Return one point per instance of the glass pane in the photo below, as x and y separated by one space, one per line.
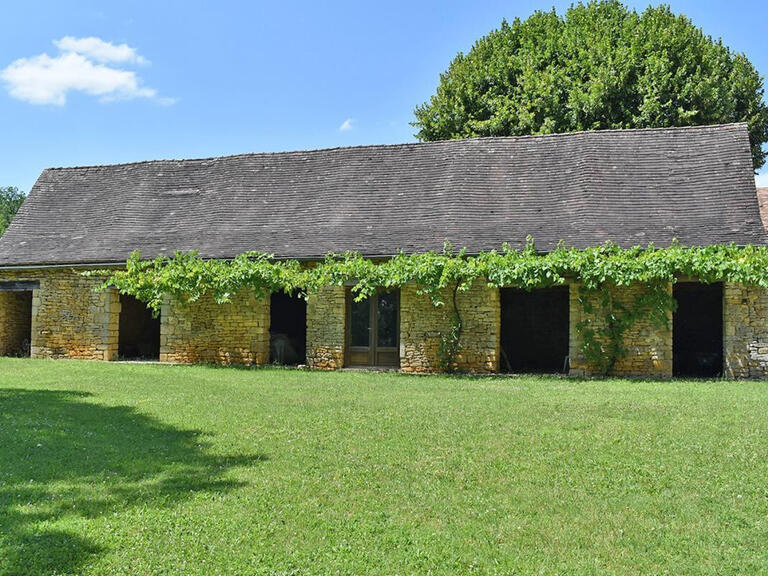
387 319
360 323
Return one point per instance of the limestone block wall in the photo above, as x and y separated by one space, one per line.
326 317
15 320
206 332
745 323
650 347
422 326
70 319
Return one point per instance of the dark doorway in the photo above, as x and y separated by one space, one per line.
534 329
287 329
373 330
16 328
697 330
139 336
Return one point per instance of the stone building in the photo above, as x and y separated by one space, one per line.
632 187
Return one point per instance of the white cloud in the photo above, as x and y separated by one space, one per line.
82 66
347 125
98 50
762 180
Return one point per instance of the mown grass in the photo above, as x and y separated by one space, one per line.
151 469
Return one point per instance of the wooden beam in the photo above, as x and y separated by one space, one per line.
19 286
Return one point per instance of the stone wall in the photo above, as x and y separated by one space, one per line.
206 332
422 326
649 346
326 329
70 319
745 326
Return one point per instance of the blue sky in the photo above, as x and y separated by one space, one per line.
177 79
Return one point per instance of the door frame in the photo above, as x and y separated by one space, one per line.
373 350
679 364
510 330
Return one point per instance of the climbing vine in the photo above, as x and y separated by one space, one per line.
608 319
450 341
598 271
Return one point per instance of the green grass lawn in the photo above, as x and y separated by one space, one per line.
151 469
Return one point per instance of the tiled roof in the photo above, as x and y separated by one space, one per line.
633 187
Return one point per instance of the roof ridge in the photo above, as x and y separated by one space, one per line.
406 145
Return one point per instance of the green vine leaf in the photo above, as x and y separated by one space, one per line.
597 271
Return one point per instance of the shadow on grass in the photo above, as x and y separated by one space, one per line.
64 459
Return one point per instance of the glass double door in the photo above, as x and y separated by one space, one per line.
373 329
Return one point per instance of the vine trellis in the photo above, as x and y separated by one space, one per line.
598 271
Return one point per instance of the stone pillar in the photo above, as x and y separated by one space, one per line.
326 323
649 347
577 366
422 326
111 325
745 327
168 330
235 332
71 319
33 342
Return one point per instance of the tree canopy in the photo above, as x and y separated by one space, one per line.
599 66
10 202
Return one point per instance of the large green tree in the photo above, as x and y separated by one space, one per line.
10 202
599 66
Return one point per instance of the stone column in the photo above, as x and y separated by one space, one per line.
71 319
745 327
326 324
235 332
422 326
111 328
649 346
